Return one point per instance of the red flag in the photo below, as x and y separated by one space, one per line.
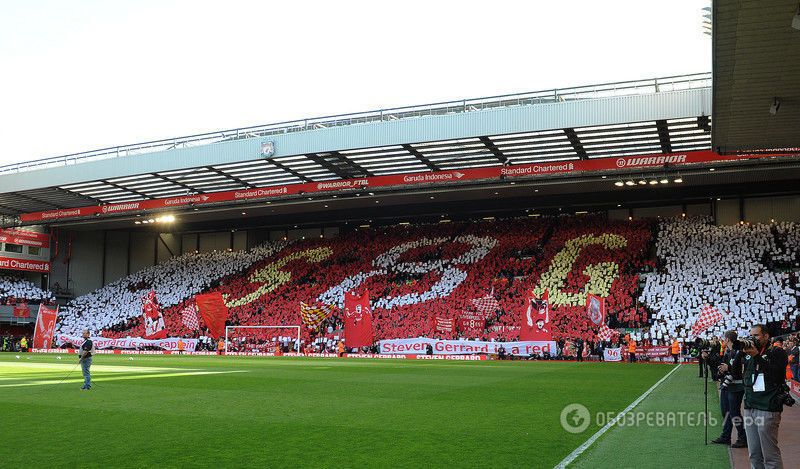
535 318
596 309
154 327
357 320
21 310
214 311
709 316
444 325
45 327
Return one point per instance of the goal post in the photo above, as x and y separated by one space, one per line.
291 331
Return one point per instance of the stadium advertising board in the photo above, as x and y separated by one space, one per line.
25 238
11 263
396 180
458 347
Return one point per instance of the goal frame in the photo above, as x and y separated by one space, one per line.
259 327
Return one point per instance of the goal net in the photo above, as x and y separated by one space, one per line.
261 339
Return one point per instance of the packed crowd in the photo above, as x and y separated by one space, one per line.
725 267
14 289
120 303
416 273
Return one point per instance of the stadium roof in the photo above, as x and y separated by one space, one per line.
644 117
756 59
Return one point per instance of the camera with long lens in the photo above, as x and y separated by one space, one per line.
784 397
702 344
748 342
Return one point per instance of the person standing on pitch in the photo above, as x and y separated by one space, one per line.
85 353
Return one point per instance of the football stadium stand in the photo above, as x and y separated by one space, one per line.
415 273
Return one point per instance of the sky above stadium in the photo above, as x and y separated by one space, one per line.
82 75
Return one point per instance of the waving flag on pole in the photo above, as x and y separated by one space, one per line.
189 316
606 333
709 316
154 327
313 315
45 327
486 305
596 309
357 320
214 311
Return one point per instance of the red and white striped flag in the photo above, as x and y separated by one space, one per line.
709 316
486 305
189 317
606 333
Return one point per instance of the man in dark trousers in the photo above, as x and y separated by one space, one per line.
731 393
85 353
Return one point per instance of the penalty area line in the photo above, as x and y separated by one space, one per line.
580 449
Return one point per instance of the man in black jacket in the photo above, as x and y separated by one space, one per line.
764 382
731 393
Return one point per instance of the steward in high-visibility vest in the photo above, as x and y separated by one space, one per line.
676 350
631 350
220 346
23 344
180 346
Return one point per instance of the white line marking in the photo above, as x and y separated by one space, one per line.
580 449
79 379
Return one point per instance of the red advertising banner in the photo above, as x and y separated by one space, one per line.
21 310
45 327
11 263
357 320
25 238
214 311
435 177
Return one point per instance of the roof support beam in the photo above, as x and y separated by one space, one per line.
33 199
576 143
493 148
663 136
419 156
287 169
351 164
177 183
336 163
140 194
228 176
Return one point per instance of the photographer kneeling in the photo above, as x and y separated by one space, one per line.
731 392
764 397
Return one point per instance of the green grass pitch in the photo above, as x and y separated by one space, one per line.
193 411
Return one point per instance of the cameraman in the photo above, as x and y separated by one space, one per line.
710 355
731 392
764 397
